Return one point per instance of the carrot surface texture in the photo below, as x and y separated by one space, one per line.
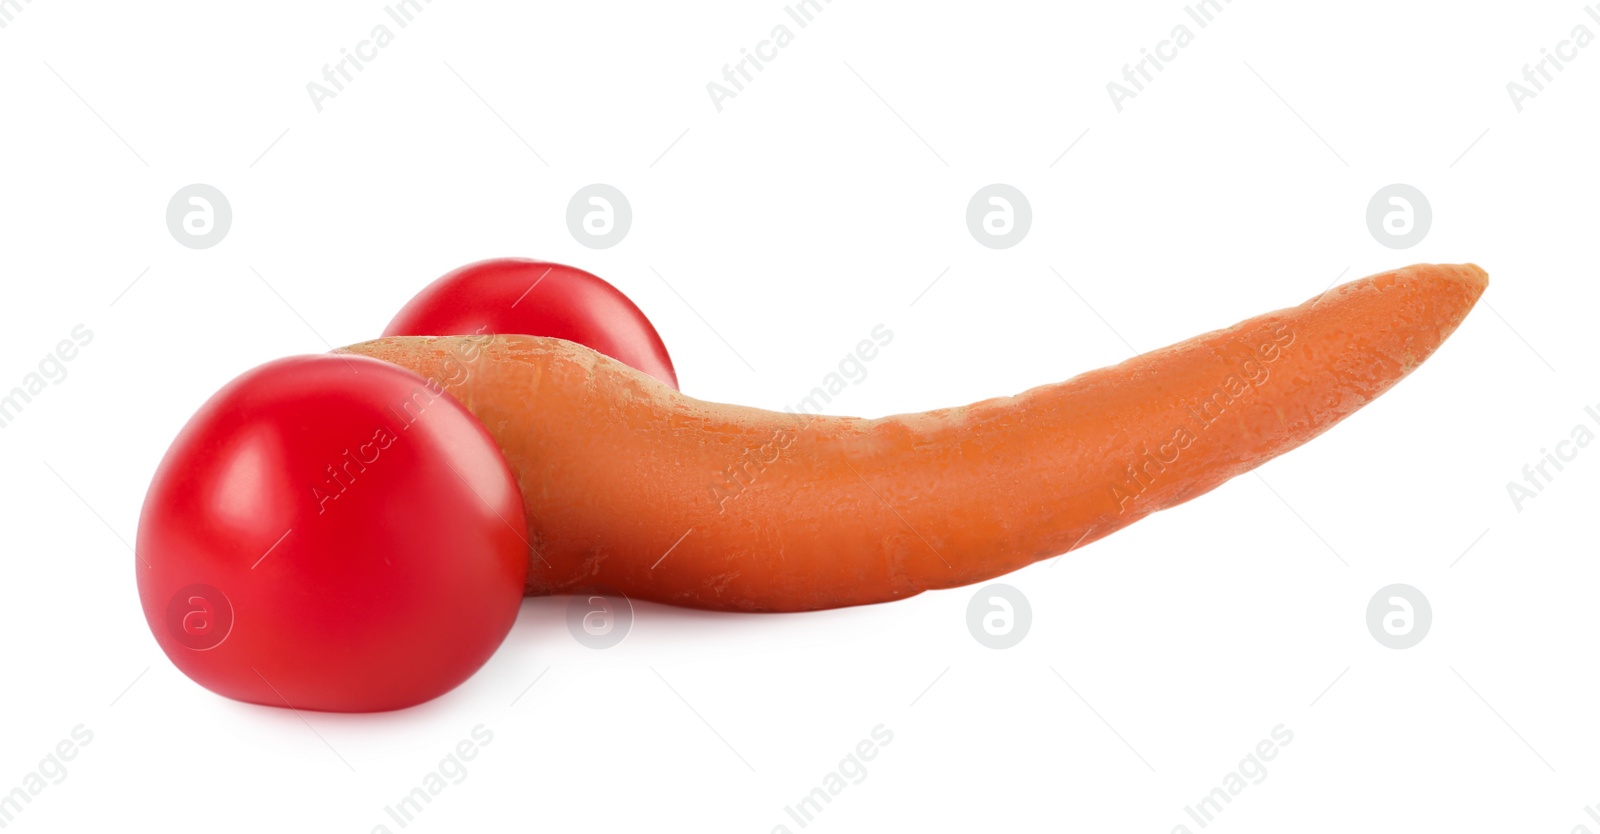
633 487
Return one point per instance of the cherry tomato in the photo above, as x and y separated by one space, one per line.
537 298
332 533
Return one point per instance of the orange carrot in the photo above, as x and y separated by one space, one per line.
634 487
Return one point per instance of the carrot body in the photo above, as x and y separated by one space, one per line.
634 487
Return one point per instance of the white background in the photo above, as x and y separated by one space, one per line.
821 201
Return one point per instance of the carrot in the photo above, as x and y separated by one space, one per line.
634 487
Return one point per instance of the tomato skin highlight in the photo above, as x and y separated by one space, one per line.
332 533
537 298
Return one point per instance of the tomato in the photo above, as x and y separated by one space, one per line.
537 298
332 533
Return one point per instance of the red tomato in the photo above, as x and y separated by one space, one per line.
332 533
537 298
